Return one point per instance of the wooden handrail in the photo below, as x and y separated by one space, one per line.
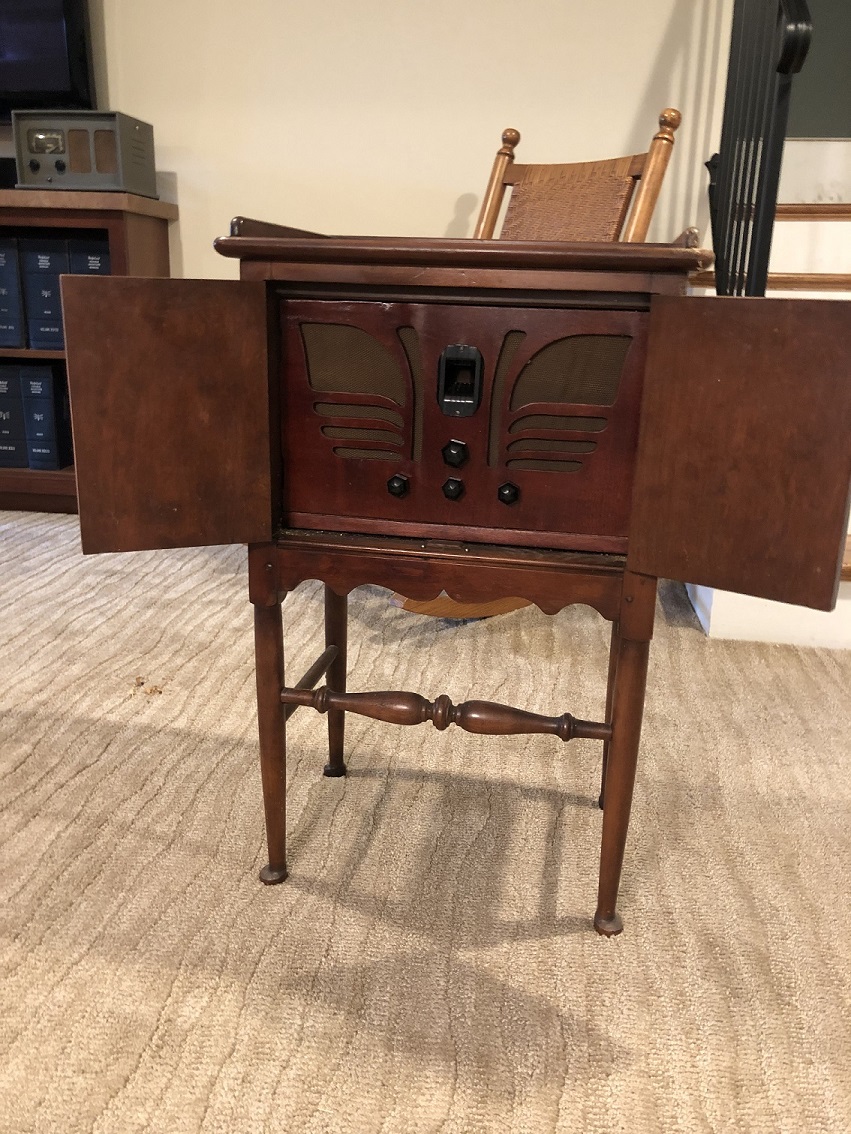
788 281
814 211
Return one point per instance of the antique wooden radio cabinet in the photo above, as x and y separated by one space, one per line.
450 415
547 421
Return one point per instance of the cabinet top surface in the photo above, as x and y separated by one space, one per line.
86 201
436 252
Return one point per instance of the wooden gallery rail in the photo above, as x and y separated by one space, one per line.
490 419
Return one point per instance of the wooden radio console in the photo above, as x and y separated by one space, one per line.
553 422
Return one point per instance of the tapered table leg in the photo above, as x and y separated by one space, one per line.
336 632
269 663
614 649
627 711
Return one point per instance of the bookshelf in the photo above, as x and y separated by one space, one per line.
136 229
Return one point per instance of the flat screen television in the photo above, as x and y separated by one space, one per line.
45 56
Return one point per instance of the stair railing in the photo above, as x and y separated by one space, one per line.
768 46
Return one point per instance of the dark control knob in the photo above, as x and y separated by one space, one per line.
455 453
398 485
60 165
453 489
508 493
35 164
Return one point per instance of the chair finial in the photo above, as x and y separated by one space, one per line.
510 138
669 121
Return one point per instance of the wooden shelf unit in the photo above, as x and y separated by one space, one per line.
137 231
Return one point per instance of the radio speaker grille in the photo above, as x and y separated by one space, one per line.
79 151
106 151
584 369
363 372
347 359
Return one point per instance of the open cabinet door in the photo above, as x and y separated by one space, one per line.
744 457
169 384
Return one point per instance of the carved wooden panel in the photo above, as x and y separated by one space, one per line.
744 466
558 419
169 384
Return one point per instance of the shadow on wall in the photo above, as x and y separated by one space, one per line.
166 179
97 31
167 189
690 73
465 209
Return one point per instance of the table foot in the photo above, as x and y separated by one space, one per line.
608 926
272 875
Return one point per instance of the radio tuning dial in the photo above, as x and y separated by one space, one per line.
453 489
398 485
455 454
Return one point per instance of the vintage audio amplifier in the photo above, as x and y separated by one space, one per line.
84 149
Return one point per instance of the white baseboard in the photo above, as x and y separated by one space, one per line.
726 615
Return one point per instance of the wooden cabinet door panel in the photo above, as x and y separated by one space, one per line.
169 383
744 457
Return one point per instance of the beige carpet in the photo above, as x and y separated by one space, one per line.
430 966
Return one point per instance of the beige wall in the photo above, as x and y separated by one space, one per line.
382 116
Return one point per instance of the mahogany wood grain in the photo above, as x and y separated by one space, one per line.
479 286
336 637
443 607
469 573
212 348
627 711
744 470
446 551
485 718
749 442
592 501
485 287
269 669
566 541
312 675
611 682
550 578
380 252
170 399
